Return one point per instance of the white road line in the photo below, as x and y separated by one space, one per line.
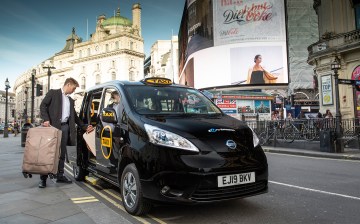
318 158
314 190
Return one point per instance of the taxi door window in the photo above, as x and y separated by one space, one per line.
93 108
112 98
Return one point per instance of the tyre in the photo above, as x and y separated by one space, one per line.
131 192
79 173
262 138
289 134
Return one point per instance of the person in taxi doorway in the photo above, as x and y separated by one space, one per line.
57 110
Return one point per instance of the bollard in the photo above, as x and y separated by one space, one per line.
24 131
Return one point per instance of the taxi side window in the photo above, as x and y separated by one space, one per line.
112 98
93 107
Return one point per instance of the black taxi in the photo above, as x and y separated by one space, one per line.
161 142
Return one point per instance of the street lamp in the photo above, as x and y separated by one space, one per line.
49 74
32 94
335 66
7 87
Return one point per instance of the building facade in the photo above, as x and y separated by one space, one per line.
11 106
339 39
114 51
163 60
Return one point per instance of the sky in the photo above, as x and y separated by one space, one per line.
32 31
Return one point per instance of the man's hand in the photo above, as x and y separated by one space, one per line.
89 128
46 124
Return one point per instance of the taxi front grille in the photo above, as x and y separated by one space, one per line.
216 194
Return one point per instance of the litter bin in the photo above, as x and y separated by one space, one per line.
24 131
327 139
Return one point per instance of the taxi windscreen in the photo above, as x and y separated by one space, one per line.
169 100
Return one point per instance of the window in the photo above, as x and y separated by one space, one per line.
107 48
83 82
131 76
80 54
131 45
88 52
98 79
93 108
113 76
357 16
117 45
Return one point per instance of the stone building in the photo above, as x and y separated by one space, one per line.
163 60
11 105
114 51
339 39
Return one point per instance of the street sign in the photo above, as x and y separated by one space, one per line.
346 81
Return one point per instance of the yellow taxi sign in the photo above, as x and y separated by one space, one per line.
158 81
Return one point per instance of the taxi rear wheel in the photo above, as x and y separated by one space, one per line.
131 192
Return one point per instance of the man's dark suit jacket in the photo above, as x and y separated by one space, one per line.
51 110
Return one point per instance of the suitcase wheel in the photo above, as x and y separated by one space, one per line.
30 175
25 175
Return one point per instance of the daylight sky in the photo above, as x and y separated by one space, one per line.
33 30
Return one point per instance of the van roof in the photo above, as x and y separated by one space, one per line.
126 83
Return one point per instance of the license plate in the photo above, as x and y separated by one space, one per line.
236 179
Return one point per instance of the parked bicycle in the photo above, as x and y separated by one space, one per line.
305 130
276 130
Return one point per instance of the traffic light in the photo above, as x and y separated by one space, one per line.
13 113
39 90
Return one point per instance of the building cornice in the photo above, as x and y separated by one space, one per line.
108 54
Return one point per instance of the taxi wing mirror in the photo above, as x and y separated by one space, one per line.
108 115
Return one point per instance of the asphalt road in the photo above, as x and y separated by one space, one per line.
301 190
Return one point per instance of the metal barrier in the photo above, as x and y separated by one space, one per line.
309 128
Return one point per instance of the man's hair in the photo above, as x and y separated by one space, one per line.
72 81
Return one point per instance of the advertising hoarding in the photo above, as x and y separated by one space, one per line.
326 90
240 42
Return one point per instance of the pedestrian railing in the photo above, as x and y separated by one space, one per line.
304 129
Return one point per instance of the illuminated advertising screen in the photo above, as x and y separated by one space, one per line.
230 42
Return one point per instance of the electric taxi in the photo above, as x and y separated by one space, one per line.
166 143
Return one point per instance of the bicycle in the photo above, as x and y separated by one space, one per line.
305 130
273 129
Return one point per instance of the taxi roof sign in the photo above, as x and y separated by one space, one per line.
157 81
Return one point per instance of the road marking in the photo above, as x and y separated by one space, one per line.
84 200
314 190
319 158
115 203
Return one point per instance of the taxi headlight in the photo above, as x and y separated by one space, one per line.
161 137
256 140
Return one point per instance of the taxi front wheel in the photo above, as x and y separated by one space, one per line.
131 192
79 173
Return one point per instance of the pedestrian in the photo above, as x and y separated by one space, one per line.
328 114
16 128
57 109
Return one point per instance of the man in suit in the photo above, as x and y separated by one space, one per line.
57 109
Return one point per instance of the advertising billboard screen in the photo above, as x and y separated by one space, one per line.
234 42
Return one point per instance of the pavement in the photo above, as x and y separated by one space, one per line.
21 201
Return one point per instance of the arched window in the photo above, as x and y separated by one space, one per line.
97 79
83 82
113 76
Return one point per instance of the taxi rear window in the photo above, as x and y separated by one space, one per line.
169 100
